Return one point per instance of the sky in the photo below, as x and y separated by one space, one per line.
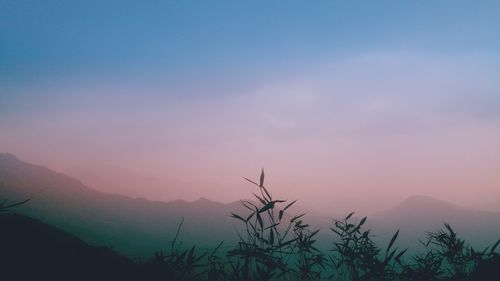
345 104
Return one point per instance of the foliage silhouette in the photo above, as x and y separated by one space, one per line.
358 257
273 245
6 206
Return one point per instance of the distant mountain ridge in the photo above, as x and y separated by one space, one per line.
120 180
419 214
138 227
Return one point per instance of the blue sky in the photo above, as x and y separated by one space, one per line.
214 90
92 38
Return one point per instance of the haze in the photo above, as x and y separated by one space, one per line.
345 106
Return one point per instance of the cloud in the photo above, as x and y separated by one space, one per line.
402 123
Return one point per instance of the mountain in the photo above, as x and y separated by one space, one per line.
32 250
417 215
120 180
135 227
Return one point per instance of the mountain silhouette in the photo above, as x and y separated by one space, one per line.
120 180
32 250
138 227
419 214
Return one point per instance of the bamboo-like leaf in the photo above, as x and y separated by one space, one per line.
272 226
398 257
297 217
349 216
5 207
261 178
217 248
261 200
334 230
251 181
289 205
238 217
393 239
448 226
363 220
249 205
267 193
313 233
268 206
389 257
250 216
495 246
288 242
280 214
259 219
191 252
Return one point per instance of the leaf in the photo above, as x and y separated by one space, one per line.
288 242
191 252
272 226
271 236
267 193
251 181
238 217
448 226
349 216
5 207
259 219
398 257
217 248
280 215
250 216
389 257
268 206
297 217
261 200
248 205
289 205
262 178
333 229
313 233
393 239
494 246
363 220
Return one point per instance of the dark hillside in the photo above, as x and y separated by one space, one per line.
32 250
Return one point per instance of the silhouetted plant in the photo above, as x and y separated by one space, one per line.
179 264
215 265
6 206
310 260
448 257
451 257
272 243
457 257
425 267
357 257
275 245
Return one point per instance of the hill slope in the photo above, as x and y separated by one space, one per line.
119 180
136 227
32 250
419 214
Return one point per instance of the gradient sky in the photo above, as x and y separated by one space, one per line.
355 103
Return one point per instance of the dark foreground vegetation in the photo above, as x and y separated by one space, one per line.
272 246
